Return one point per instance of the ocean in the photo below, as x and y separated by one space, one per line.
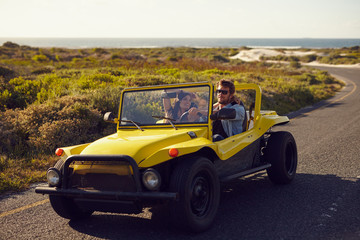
184 42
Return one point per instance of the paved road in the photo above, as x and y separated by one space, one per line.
323 202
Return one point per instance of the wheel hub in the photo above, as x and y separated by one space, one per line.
200 196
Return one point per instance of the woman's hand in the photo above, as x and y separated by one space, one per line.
193 114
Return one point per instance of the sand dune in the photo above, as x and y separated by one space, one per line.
255 54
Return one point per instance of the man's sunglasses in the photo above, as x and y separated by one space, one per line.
225 92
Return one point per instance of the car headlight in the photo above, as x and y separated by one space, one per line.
151 179
53 177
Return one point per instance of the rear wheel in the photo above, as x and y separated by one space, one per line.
281 152
198 186
66 208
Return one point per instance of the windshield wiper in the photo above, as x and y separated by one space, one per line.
135 123
170 120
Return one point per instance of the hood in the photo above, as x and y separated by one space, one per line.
140 144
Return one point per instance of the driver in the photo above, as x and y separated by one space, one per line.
182 105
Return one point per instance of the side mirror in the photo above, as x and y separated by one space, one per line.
224 114
110 117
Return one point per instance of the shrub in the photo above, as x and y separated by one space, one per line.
13 135
3 163
6 72
23 91
43 127
309 78
11 45
99 51
52 86
173 59
216 71
106 99
169 71
309 58
5 99
86 83
102 78
63 132
40 58
295 64
42 71
219 58
150 80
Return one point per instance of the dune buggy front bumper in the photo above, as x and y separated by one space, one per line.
136 193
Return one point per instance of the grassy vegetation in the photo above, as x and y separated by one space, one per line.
340 56
56 97
345 55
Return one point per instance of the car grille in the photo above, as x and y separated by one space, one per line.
103 176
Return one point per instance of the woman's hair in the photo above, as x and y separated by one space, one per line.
176 109
181 95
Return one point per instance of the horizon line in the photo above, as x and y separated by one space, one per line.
194 37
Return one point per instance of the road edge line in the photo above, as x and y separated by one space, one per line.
20 209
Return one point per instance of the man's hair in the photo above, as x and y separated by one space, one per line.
227 83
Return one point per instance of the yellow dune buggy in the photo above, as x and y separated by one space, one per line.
154 159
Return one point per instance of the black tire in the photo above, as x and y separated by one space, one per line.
281 152
197 183
66 208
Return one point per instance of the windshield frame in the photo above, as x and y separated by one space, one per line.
167 87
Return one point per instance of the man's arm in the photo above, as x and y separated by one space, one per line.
240 112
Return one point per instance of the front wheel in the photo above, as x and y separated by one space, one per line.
197 183
66 208
281 152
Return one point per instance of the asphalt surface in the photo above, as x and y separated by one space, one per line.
323 202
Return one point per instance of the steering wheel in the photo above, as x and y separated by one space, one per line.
184 117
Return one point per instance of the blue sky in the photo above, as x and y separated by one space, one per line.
181 18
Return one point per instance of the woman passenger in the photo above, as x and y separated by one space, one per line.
182 105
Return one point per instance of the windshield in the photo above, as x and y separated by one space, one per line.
165 106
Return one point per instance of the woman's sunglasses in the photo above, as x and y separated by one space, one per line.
224 92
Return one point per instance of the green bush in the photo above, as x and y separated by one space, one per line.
216 71
23 91
5 99
42 71
308 58
106 99
295 64
4 163
310 78
175 72
40 58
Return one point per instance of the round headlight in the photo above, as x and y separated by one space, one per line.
53 177
151 179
